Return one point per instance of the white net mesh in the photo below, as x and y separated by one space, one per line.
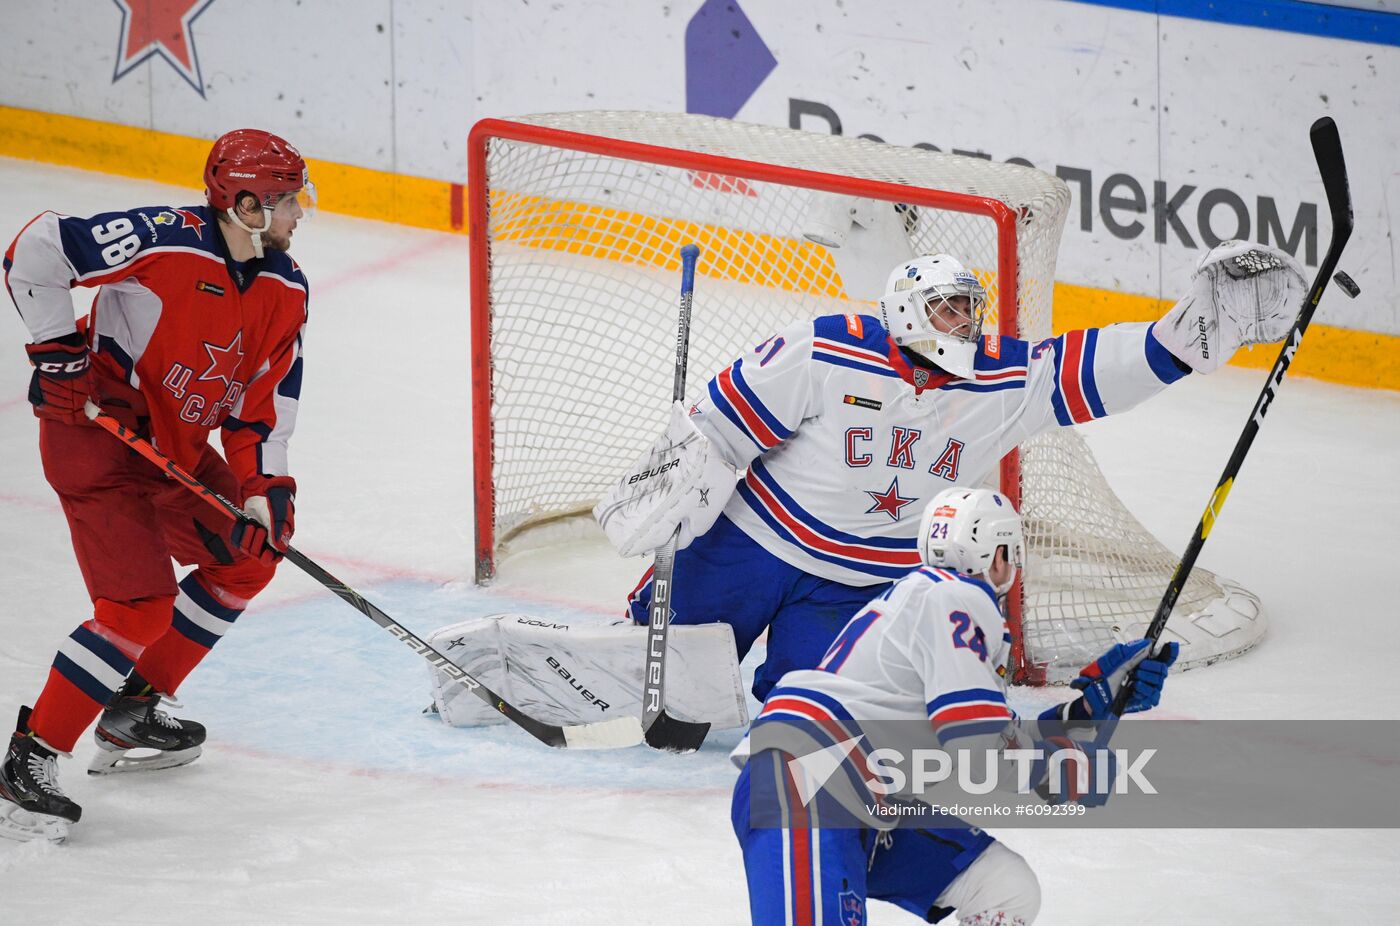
582 247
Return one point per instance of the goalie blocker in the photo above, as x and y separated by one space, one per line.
682 482
585 672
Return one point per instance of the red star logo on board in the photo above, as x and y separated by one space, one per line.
224 361
189 220
889 501
160 27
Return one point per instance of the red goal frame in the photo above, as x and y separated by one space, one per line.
478 145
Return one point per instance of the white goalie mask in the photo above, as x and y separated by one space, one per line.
962 529
920 312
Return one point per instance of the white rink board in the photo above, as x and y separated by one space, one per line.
1096 91
325 797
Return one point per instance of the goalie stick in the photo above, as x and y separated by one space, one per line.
1327 148
662 730
611 734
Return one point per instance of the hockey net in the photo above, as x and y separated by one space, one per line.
577 220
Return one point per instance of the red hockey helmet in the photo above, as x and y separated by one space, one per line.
257 162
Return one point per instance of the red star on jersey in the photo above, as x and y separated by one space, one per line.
189 220
224 361
160 27
889 501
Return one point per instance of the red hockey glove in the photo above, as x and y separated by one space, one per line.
271 502
62 378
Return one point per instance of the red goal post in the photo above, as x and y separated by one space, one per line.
576 220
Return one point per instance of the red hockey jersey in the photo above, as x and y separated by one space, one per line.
207 342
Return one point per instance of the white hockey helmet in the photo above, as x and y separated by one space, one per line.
962 529
918 312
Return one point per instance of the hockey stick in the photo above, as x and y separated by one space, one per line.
662 730
611 734
1327 148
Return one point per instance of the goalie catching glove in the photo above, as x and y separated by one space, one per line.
1241 293
682 481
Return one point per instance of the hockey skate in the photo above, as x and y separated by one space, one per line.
134 734
31 804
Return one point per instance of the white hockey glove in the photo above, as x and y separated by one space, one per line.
681 481
1241 293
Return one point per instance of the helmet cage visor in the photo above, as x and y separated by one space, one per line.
960 320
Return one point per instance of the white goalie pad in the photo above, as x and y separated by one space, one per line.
1226 627
583 673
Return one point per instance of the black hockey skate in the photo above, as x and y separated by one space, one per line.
134 734
31 804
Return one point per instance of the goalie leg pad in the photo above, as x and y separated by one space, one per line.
586 672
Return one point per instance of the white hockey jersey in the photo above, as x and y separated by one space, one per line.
932 649
843 440
934 645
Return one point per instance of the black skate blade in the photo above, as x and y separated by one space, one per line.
118 762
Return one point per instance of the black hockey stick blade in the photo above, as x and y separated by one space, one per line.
673 735
1327 148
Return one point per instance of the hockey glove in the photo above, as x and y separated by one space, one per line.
682 481
271 502
62 378
1100 680
1241 293
1074 776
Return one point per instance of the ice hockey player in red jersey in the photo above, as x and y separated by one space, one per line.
197 326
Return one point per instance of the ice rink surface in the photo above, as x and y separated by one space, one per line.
325 796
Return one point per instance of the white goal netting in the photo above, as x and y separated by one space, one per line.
575 280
